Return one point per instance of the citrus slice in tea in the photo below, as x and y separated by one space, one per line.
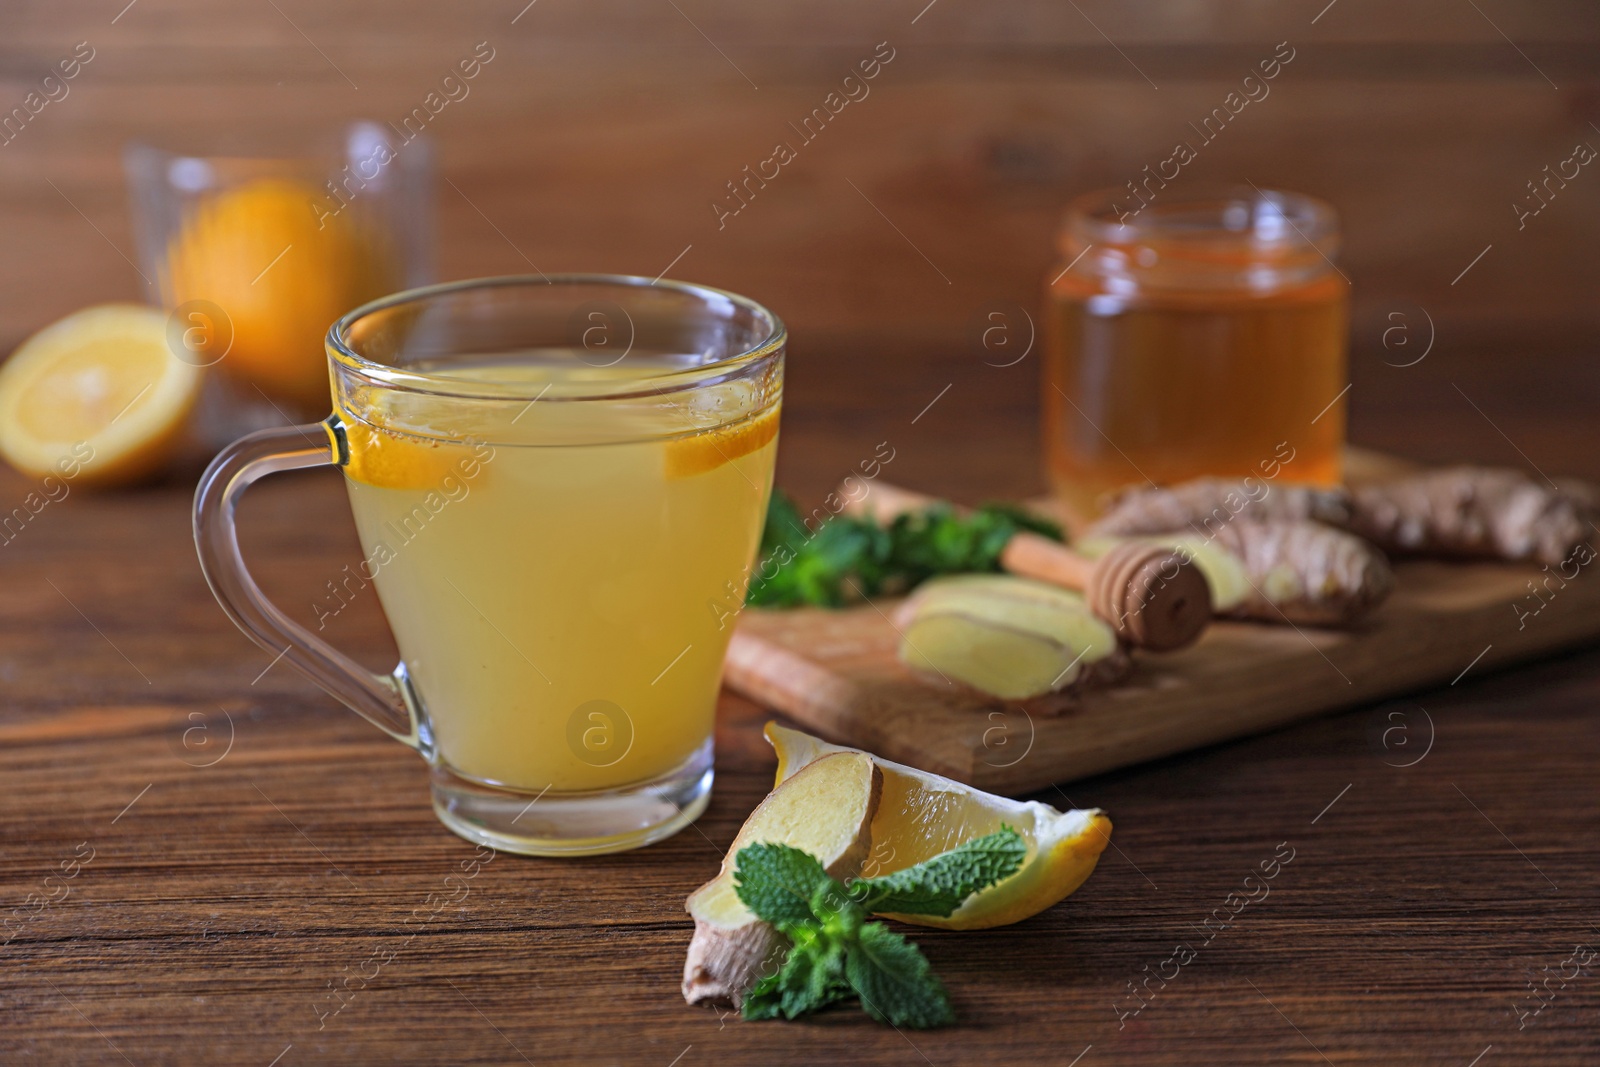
921 815
99 397
388 459
710 449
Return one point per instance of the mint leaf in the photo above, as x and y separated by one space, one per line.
838 913
894 981
777 881
810 979
940 885
824 978
834 951
847 557
765 1001
784 526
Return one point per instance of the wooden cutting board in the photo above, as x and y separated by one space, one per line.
836 673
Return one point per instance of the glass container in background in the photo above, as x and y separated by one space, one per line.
1200 337
257 256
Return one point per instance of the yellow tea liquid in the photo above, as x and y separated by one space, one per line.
555 573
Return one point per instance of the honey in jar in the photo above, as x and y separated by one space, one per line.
1189 338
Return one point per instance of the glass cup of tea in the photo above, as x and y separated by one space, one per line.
558 484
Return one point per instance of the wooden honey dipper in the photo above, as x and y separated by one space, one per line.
1151 595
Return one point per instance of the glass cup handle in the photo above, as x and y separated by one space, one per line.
380 699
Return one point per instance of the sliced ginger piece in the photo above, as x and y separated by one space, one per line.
1009 637
997 659
825 809
923 814
98 397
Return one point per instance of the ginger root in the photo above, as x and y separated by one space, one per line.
1305 572
825 809
1477 513
1281 569
1204 505
1453 512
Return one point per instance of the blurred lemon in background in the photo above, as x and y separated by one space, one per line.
99 397
281 275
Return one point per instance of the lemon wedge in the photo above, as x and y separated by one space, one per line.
921 815
98 397
706 451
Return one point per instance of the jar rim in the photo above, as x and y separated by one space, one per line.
1243 215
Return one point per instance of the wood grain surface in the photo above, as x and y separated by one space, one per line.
202 857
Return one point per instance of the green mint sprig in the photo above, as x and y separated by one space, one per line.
836 953
848 557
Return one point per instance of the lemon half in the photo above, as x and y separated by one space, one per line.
98 397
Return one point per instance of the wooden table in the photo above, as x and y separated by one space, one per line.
253 857
210 857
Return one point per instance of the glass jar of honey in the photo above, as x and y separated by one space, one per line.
1200 337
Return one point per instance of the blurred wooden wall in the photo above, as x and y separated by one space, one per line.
602 132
